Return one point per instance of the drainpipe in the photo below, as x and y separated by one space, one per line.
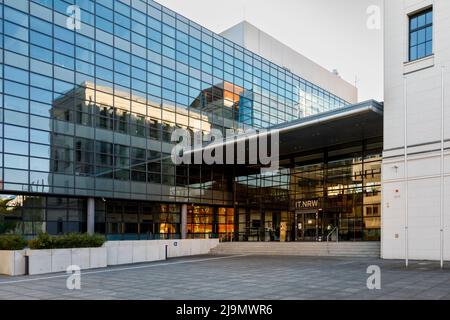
406 172
442 167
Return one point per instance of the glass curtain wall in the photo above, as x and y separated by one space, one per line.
313 194
29 215
90 111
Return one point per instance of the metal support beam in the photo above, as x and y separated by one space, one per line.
184 209
91 216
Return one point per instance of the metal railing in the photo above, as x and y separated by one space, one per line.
335 229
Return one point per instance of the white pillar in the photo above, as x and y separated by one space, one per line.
184 208
91 216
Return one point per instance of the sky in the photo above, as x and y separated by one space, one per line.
333 33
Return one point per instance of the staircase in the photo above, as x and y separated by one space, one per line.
330 249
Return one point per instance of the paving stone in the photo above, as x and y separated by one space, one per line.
250 277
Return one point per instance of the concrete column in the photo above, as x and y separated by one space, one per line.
184 209
91 216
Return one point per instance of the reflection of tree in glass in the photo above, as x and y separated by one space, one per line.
9 217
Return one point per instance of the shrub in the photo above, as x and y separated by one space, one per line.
78 240
42 241
12 242
71 240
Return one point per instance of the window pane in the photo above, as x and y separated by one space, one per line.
41 54
16 118
421 21
429 18
16 89
16 31
421 36
16 176
17 162
16 132
413 39
429 33
414 23
413 53
16 103
429 48
421 50
16 74
16 45
41 40
16 16
41 26
12 146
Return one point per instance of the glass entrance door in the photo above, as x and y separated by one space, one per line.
330 221
315 226
307 226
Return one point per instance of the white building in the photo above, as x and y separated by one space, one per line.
251 38
416 187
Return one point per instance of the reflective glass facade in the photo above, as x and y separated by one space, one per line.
312 194
89 113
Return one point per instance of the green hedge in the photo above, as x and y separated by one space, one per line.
72 240
46 241
12 242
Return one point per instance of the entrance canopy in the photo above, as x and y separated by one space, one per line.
354 123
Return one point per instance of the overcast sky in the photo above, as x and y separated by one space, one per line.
333 33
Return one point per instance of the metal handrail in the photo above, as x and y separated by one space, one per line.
331 233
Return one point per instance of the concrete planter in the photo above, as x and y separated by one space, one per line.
12 263
40 261
98 258
60 259
81 258
189 247
112 253
57 260
129 252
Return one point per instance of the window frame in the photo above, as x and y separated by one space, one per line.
422 12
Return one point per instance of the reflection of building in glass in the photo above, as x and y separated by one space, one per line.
226 102
88 118
116 119
99 157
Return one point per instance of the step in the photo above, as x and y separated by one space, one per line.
355 249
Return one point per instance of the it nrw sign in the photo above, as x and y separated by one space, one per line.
307 204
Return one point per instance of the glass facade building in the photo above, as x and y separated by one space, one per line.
88 112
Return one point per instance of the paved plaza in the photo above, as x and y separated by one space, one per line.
241 277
